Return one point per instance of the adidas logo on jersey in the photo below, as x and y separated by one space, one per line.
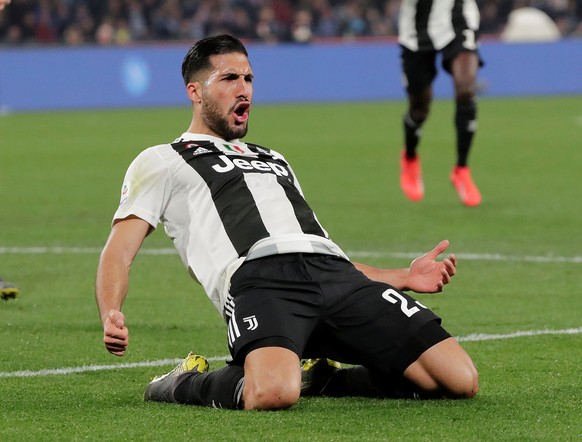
200 151
261 166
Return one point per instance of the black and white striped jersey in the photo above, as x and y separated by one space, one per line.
425 25
221 203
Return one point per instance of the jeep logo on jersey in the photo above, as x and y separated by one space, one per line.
241 163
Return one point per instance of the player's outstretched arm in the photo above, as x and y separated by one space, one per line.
112 280
425 274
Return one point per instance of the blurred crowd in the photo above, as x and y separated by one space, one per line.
107 22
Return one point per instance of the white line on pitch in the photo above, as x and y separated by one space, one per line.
486 337
354 254
162 362
88 368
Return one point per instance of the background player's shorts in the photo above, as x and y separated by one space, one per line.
322 306
420 68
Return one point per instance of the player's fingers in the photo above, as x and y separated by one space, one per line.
117 318
116 334
115 345
446 277
117 351
440 248
449 266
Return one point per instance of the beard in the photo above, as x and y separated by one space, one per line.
219 124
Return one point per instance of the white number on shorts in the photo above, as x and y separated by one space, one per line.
469 42
392 296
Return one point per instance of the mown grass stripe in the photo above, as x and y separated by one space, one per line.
353 254
163 362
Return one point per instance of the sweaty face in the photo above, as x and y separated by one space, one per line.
226 96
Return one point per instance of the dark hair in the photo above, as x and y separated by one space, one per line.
198 57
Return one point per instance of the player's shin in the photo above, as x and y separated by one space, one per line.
359 381
220 388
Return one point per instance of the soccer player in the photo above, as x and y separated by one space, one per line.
7 290
239 220
426 28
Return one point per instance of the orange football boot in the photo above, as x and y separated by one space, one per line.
411 177
466 188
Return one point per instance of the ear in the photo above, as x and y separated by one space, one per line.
194 91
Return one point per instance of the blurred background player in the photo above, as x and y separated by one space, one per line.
426 28
7 289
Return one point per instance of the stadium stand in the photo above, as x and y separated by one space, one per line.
118 22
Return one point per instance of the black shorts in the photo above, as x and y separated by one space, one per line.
322 306
419 68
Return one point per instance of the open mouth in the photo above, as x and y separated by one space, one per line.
241 111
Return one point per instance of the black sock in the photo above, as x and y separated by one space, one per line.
220 388
466 125
359 381
412 132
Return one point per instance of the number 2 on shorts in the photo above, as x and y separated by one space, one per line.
393 297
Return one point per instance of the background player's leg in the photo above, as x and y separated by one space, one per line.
417 113
464 70
410 170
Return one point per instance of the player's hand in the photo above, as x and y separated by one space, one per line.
427 275
115 333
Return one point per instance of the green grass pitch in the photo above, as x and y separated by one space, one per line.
520 259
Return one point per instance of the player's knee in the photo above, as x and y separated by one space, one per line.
419 114
465 383
465 93
278 397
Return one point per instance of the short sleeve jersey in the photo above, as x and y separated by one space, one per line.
428 25
221 203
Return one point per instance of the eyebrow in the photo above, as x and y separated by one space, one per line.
236 74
